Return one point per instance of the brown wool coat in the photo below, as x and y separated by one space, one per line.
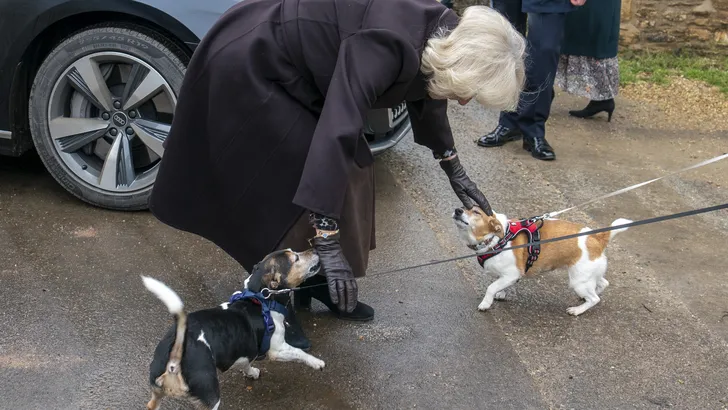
268 120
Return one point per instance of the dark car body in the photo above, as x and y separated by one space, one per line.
30 29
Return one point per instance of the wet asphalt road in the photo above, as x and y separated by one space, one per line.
84 328
78 328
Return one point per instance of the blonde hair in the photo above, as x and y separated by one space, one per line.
482 58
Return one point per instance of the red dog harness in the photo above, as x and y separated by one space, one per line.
528 226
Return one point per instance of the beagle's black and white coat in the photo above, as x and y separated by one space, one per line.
186 360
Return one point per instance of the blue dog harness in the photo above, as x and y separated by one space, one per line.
266 305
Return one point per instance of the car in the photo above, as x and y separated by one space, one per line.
92 85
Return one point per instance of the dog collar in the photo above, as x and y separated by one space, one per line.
266 305
528 226
478 247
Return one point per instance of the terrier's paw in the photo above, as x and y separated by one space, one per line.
483 306
500 295
253 373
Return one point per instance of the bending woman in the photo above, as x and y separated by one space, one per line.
266 150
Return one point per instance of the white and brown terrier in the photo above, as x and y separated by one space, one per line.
187 359
584 257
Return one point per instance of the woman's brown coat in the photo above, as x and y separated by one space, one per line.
269 118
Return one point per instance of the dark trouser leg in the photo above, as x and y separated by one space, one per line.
545 31
511 9
507 129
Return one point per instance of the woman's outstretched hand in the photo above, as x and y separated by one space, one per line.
464 187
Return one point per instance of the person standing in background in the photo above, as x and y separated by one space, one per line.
545 22
511 9
588 66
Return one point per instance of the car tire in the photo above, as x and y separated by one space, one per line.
135 45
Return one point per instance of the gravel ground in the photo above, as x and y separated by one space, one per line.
684 103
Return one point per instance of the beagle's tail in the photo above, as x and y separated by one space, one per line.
176 307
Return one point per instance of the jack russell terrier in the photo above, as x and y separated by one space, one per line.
237 332
584 257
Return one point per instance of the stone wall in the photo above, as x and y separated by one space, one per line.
690 25
699 26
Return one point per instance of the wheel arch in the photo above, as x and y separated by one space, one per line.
63 21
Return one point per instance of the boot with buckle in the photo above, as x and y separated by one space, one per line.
499 136
539 148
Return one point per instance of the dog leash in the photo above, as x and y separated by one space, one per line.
635 186
525 245
563 238
268 292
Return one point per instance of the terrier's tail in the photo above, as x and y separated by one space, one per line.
618 222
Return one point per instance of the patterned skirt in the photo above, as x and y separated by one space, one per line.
596 79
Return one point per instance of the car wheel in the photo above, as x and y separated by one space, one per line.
101 106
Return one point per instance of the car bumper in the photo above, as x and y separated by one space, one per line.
384 128
383 144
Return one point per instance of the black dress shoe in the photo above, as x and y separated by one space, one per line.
539 148
361 313
499 136
294 332
594 108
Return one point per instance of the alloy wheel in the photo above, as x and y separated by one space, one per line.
108 116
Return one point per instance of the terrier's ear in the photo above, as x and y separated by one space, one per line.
495 226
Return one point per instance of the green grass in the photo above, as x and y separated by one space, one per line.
659 67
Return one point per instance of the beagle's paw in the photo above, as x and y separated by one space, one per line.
252 373
317 364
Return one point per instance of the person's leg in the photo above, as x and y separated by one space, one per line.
356 227
507 128
596 79
296 239
545 32
511 9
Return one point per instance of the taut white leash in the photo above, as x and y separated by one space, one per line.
635 186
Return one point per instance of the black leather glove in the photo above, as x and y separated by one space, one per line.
343 289
464 187
342 285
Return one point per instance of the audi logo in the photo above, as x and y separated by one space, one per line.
119 120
